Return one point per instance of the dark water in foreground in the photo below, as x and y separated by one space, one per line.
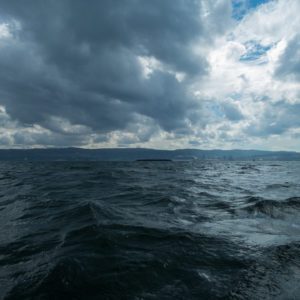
150 230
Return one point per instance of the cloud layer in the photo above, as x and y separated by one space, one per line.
164 74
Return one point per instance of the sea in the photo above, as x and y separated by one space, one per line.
150 230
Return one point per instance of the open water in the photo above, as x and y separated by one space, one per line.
150 230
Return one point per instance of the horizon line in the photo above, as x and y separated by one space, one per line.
142 148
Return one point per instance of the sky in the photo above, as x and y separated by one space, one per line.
165 74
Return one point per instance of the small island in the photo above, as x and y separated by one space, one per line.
154 159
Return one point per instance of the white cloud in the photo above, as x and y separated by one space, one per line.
4 31
243 66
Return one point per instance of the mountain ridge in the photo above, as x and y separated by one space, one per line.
131 154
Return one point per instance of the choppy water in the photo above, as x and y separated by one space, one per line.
150 230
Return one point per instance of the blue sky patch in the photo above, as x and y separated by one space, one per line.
242 7
254 51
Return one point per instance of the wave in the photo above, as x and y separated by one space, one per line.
285 185
271 208
279 279
78 230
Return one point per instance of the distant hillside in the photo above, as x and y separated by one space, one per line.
130 154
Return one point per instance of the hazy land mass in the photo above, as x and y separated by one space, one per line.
132 154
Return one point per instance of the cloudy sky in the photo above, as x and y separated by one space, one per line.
162 74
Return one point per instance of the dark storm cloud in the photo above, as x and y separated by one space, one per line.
78 61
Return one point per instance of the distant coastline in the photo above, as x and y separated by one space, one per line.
142 154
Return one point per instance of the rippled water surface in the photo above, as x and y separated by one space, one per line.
150 230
